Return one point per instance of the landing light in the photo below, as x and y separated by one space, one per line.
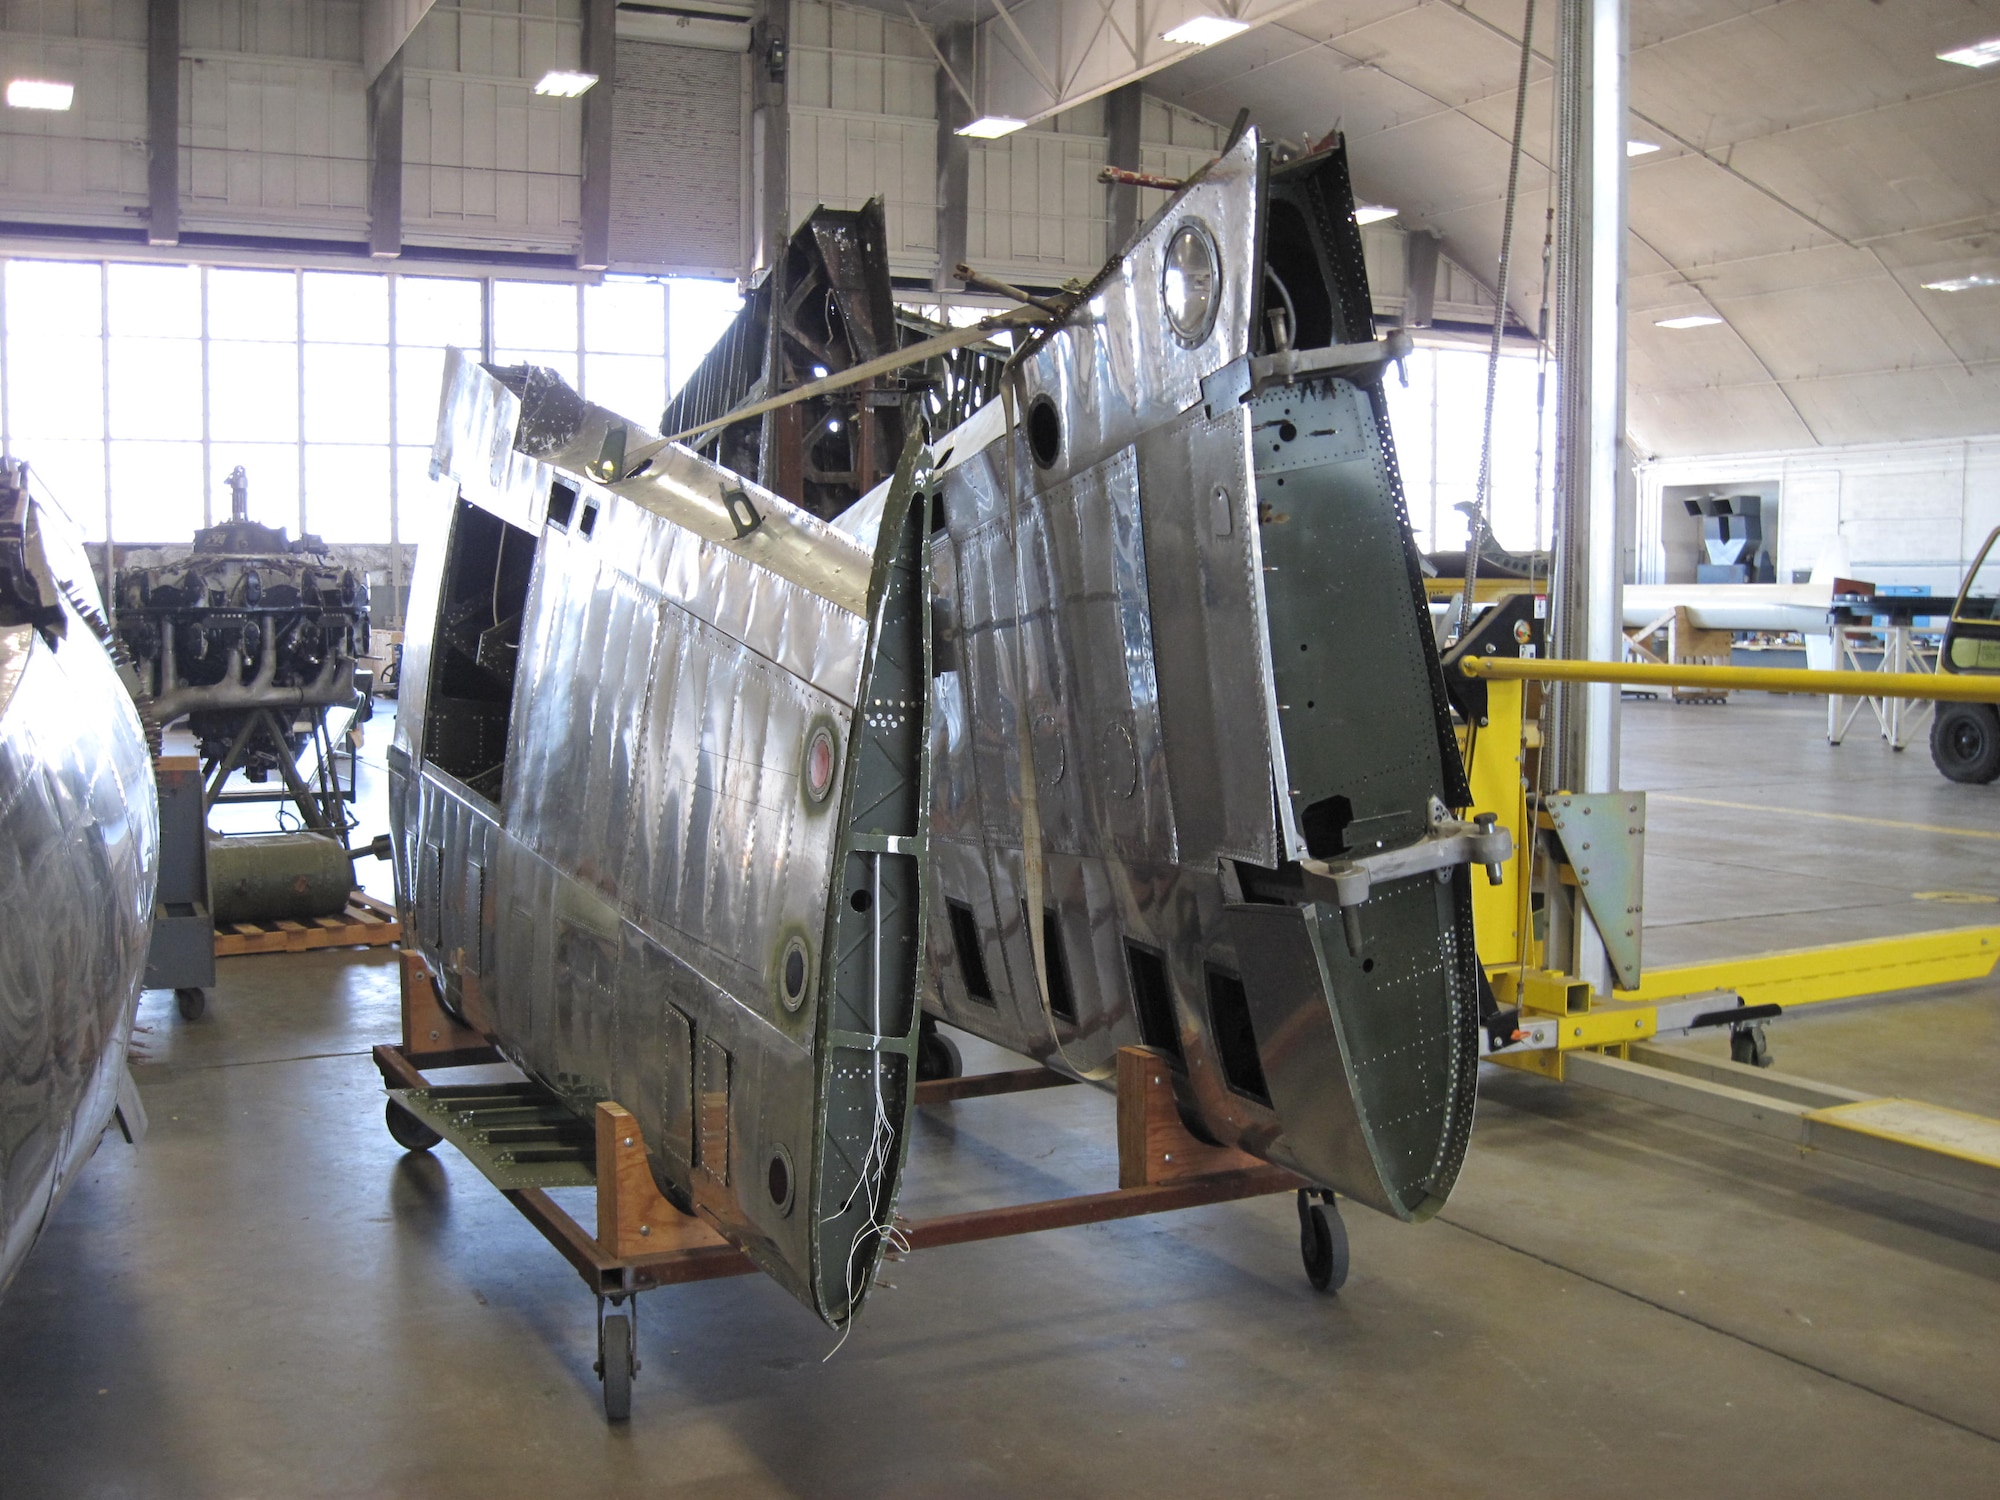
1963 283
1641 148
1691 320
1372 213
1189 276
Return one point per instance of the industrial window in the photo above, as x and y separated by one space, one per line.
1235 1040
133 390
1153 998
1446 396
971 960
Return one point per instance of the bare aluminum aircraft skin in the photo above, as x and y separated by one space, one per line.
79 836
1156 620
657 796
1189 706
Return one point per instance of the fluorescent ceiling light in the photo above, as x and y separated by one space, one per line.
1372 213
1691 320
991 127
1978 55
559 83
1204 31
39 93
1641 148
1963 283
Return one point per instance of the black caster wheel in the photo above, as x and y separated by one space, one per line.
1322 1242
411 1133
937 1055
616 1366
192 1004
1749 1045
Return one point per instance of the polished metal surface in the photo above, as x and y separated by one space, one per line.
658 794
666 820
78 848
1188 693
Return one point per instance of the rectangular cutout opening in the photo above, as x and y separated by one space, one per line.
971 958
562 504
1235 1039
488 568
1062 999
1153 999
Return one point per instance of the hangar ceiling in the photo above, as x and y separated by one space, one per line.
1817 164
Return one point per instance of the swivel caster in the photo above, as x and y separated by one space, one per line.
410 1133
1749 1045
617 1363
937 1054
1322 1240
191 1003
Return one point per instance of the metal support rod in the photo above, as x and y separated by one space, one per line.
954 152
385 168
1124 111
1590 426
163 122
1940 687
600 56
1590 353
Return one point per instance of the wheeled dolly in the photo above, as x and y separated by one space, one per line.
643 1241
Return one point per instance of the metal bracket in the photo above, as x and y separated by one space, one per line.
1603 834
1449 844
743 512
1365 359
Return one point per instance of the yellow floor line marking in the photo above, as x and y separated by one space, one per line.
1831 817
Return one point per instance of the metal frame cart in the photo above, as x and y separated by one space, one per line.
527 1141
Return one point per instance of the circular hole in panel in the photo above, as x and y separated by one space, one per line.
860 901
1287 431
1044 431
793 973
1368 966
778 1179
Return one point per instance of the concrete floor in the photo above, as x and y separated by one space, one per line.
268 1299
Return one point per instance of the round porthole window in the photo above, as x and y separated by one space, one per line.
1190 274
792 974
819 763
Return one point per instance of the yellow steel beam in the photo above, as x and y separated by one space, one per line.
1484 590
1941 687
1840 971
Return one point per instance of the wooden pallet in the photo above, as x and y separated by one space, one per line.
367 923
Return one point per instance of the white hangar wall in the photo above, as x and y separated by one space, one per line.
1910 514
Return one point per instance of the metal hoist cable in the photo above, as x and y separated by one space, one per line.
1482 496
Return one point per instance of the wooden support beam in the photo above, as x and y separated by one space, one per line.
1154 1147
430 1034
632 1217
163 122
986 1085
